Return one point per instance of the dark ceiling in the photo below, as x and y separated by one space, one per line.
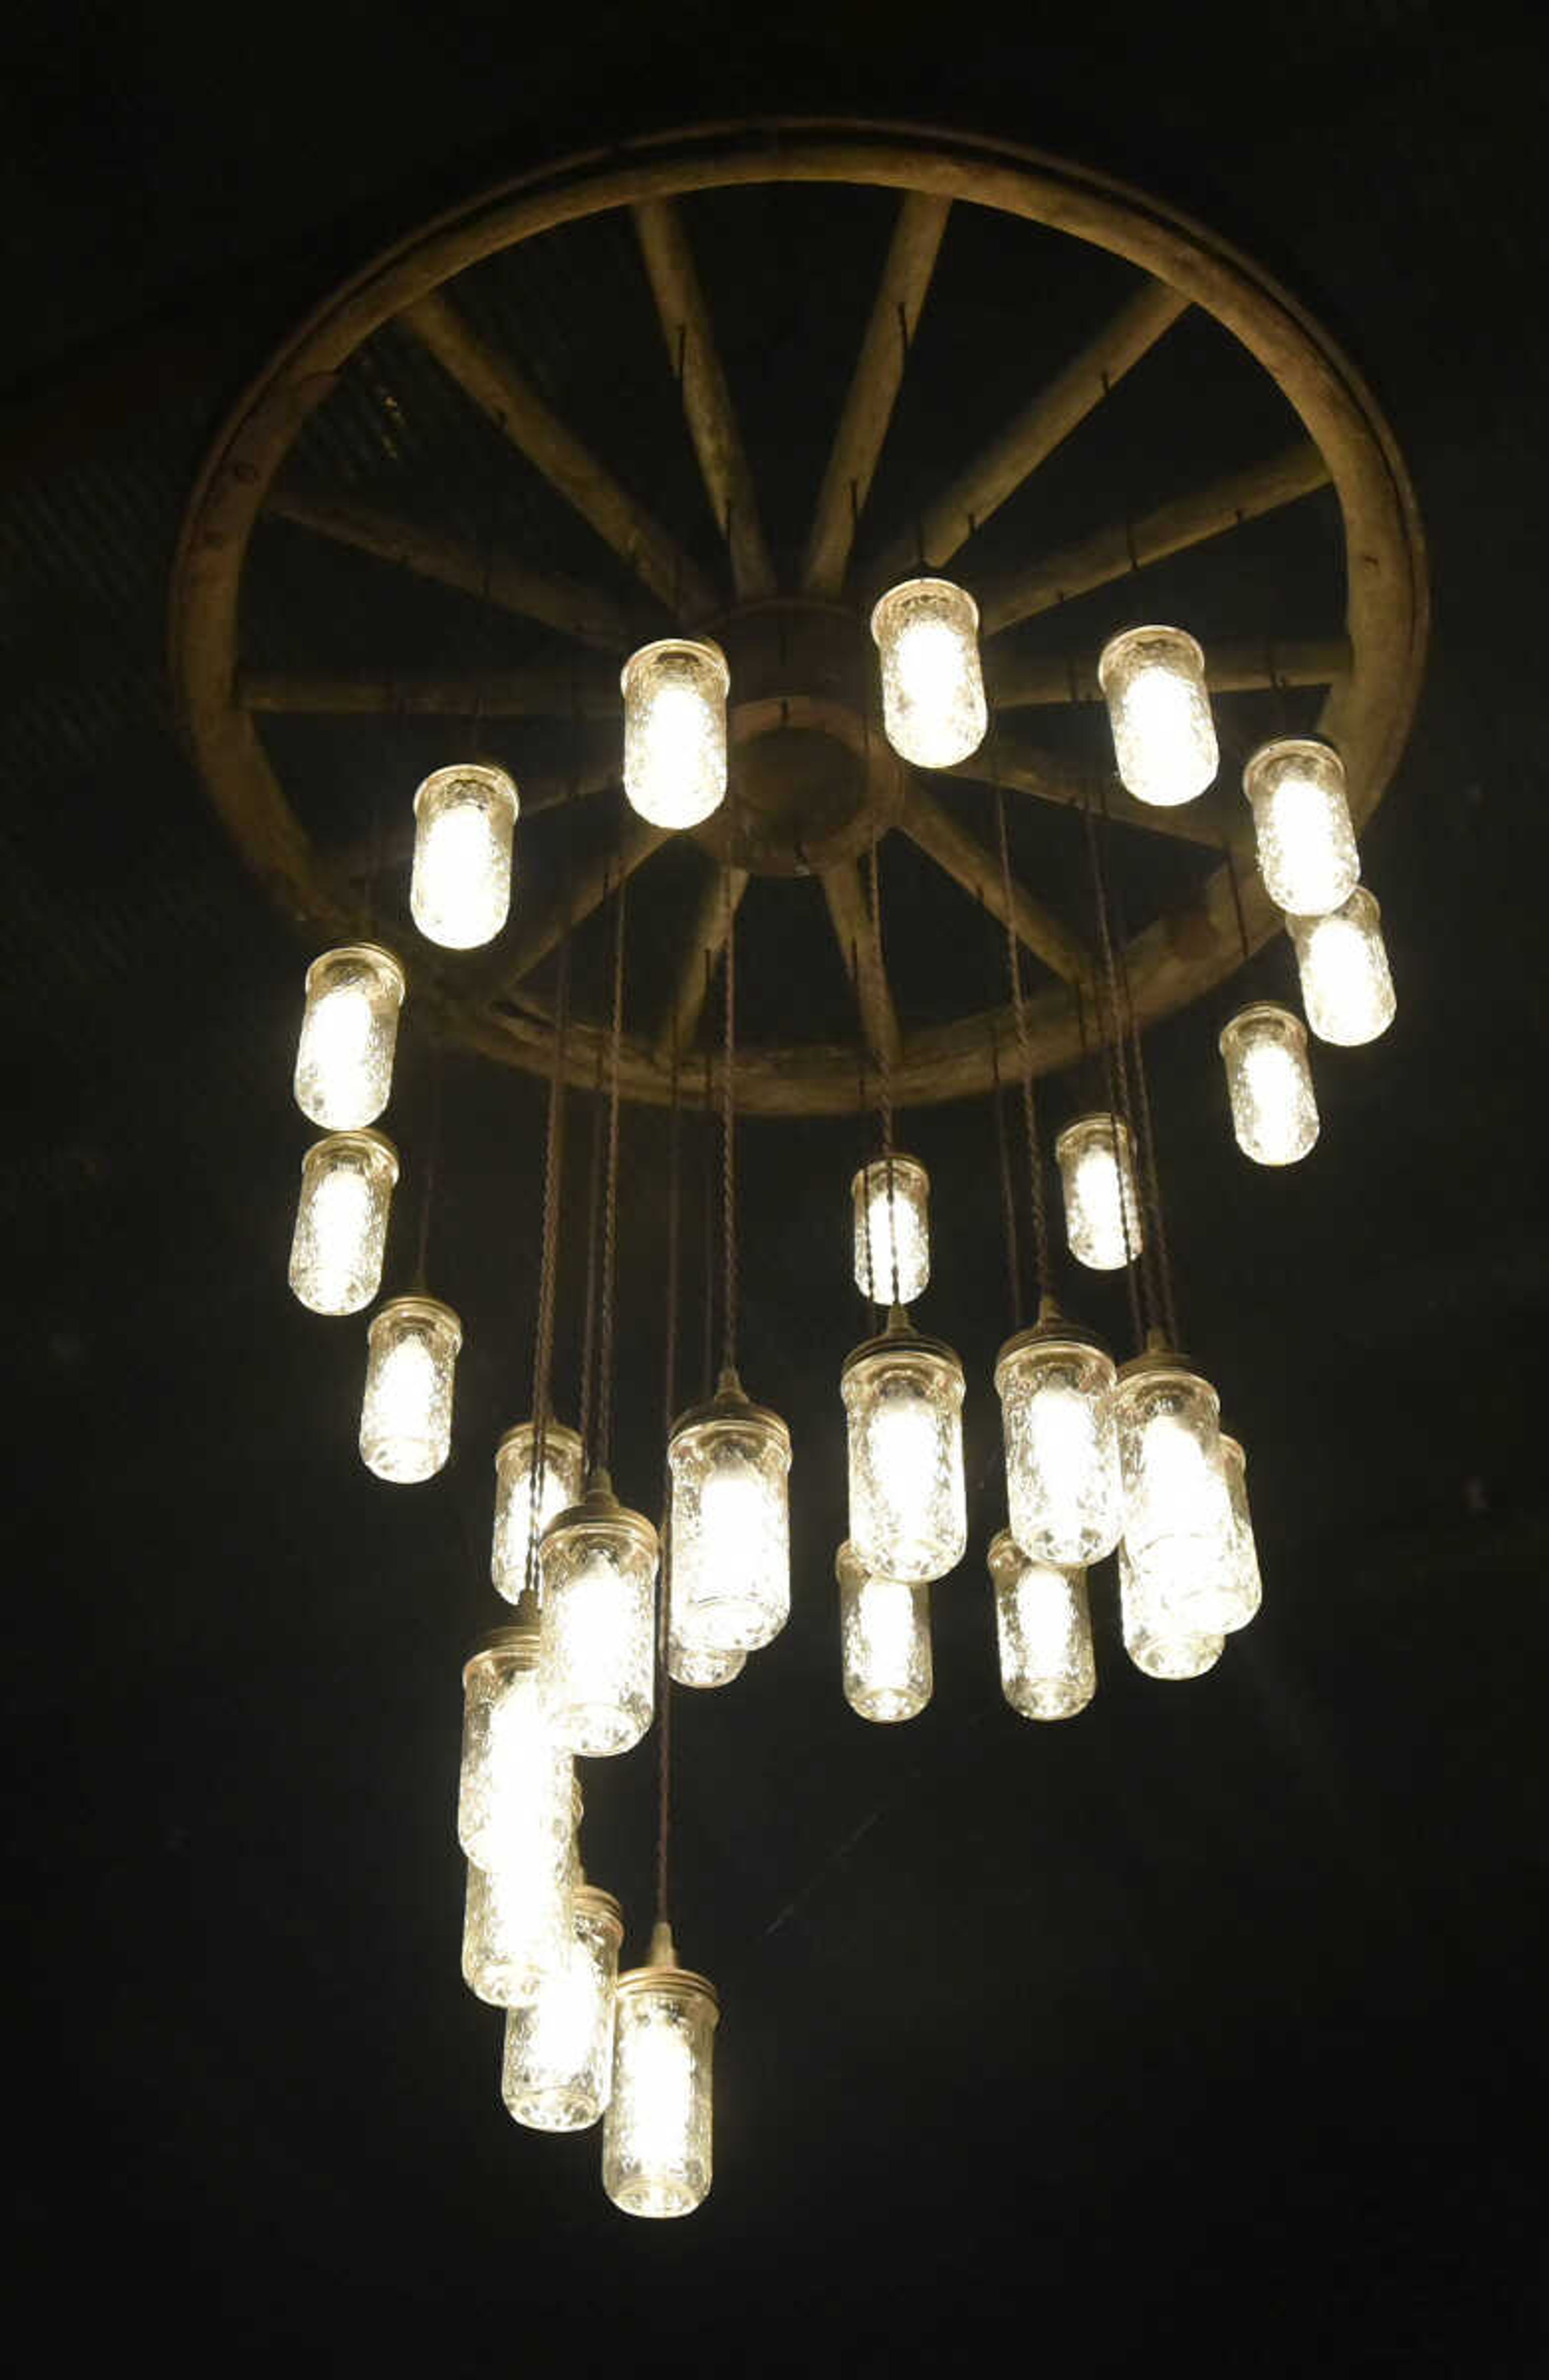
1209 2026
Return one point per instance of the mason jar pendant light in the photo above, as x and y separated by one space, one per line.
657 2131
730 1461
1269 1083
514 1915
1248 1585
1158 1643
1042 1631
349 1031
674 730
1056 1387
517 1812
1163 736
1342 960
1301 825
465 818
1179 1531
597 1566
406 1416
1095 1157
884 1627
903 1400
891 1199
559 1486
341 1221
926 633
557 2062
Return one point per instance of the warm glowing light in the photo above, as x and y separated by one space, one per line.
908 1512
1342 960
597 1567
1057 1409
1179 1533
559 1486
892 1230
406 1416
731 1530
655 2138
1248 1585
518 1807
460 889
1156 1640
688 1665
884 1626
675 731
557 2069
341 1221
349 1031
1301 822
1269 1082
933 692
1164 737
1102 1208
1042 1631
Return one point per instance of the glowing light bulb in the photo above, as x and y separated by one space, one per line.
1164 737
1269 1082
460 888
1342 960
406 1416
1102 1208
1301 822
1179 1533
892 1234
656 2140
675 731
926 633
1043 1633
1158 1641
349 1031
884 1641
730 1462
908 1510
341 1221
557 2069
597 1567
1062 1487
559 1486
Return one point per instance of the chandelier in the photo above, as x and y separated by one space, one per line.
785 727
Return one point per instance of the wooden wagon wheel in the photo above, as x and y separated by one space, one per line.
813 781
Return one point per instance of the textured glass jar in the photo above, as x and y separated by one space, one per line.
1249 1588
892 1231
1055 1388
517 1917
349 1031
884 1630
1179 1533
1042 1631
1156 1640
1164 737
557 2068
514 1786
1269 1083
559 1486
1097 1175
933 690
598 1566
657 2133
1342 960
341 1221
464 821
689 1666
674 730
1302 823
908 1510
405 1417
730 1462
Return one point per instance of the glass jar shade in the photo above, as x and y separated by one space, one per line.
1102 1206
1057 1410
675 731
1043 1630
892 1232
559 1486
341 1221
349 1031
406 1416
691 1666
933 691
460 887
517 1917
1249 1584
1180 1532
884 1628
1342 960
1163 736
1269 1083
730 1462
514 1795
598 1569
908 1509
657 2133
1301 824
557 2066
1156 1640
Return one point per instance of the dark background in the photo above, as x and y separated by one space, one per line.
1208 2027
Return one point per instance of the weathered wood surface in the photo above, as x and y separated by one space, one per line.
854 931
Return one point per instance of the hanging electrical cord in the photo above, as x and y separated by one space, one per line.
1007 1200
728 1138
436 1065
1150 1177
588 1326
604 1437
543 1334
868 1284
1043 1275
707 1368
1142 1309
669 1414
884 1082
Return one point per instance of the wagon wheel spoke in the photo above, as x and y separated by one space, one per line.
983 486
850 913
706 398
1029 769
1025 681
873 388
707 940
585 612
1188 520
965 860
496 694
589 888
500 390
